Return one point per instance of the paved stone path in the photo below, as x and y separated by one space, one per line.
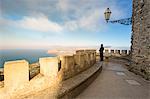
115 82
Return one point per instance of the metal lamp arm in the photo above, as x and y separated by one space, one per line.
126 21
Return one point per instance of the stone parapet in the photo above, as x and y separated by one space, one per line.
79 51
21 80
91 56
49 66
87 58
67 66
79 60
16 74
116 52
79 82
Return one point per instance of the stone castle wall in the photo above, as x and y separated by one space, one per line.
141 38
53 70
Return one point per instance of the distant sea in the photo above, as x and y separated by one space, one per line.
31 56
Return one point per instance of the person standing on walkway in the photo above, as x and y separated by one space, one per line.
101 52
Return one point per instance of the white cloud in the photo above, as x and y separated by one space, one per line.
91 21
74 14
63 5
40 24
71 25
87 14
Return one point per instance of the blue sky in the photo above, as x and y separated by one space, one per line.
45 23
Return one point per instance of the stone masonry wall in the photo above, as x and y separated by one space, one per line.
140 49
72 65
17 82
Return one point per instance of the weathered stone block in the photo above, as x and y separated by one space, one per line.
49 66
90 56
80 60
67 65
67 62
94 56
16 74
87 59
80 52
88 53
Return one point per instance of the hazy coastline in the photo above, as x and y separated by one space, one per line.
31 56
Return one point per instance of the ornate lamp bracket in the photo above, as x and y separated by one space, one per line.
126 21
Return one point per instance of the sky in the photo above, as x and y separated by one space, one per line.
45 23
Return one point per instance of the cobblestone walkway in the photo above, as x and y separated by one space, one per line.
115 82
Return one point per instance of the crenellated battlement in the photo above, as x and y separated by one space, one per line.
116 52
53 70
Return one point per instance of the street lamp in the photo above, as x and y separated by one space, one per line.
126 21
107 14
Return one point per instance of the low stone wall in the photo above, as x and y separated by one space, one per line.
20 80
67 66
72 65
16 77
116 52
34 69
16 73
79 82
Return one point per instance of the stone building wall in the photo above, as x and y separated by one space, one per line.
141 38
